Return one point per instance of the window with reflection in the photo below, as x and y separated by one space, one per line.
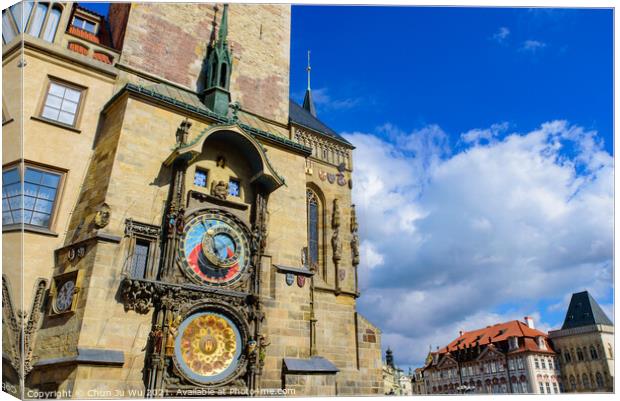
39 19
200 177
234 187
62 103
33 203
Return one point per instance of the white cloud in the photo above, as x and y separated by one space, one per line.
452 239
477 135
501 34
322 98
533 45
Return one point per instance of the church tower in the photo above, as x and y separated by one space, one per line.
198 236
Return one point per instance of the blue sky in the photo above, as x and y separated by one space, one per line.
413 66
507 101
484 161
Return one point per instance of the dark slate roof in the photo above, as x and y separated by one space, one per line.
584 311
309 103
301 116
316 364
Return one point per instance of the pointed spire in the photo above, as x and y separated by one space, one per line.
308 69
216 95
308 103
223 31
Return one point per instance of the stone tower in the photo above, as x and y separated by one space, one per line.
585 346
201 237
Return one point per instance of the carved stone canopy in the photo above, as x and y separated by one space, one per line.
247 146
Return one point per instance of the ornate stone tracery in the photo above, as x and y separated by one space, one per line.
323 148
22 325
174 297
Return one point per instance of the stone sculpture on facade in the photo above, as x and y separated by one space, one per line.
220 190
102 217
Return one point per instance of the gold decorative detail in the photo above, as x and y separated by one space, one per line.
208 345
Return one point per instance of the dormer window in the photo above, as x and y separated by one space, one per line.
513 343
82 23
541 342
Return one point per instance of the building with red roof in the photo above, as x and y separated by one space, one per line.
510 357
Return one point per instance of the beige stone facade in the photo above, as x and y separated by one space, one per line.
585 344
587 358
108 291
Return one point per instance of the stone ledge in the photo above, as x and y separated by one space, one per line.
294 270
314 365
88 356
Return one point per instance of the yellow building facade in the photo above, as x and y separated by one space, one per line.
186 228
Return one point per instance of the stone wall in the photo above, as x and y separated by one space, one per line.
170 40
310 385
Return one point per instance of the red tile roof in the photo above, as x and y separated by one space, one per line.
497 333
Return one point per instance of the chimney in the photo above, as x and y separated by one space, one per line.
530 322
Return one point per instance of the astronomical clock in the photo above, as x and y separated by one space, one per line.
206 334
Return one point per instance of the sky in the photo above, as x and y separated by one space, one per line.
483 169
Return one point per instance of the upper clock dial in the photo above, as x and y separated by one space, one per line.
214 249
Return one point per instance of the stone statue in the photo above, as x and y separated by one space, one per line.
183 132
220 190
102 217
180 221
157 338
252 353
171 218
354 225
263 343
336 247
355 249
172 333
336 214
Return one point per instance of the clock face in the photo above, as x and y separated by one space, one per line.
64 298
208 347
214 249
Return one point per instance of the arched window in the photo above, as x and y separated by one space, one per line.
566 356
593 353
579 354
314 211
599 380
573 383
585 381
223 75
